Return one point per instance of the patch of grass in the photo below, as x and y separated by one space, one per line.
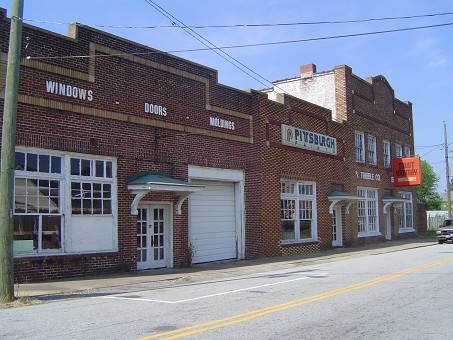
19 302
431 233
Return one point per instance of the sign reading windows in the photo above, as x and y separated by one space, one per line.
298 211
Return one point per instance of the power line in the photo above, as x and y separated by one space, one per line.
204 41
322 38
428 146
252 25
264 44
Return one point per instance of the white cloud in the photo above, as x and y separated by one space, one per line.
429 51
438 62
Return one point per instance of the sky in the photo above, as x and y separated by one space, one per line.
418 63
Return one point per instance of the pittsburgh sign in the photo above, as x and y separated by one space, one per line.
407 171
308 140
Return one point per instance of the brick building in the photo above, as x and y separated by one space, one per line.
110 147
375 128
131 158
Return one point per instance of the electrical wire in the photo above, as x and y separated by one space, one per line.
210 46
429 146
322 38
253 25
266 44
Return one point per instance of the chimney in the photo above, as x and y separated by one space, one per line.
308 68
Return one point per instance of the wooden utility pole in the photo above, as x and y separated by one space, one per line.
7 154
447 168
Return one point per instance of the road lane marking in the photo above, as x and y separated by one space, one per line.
212 295
204 327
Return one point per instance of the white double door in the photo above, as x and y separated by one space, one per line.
153 236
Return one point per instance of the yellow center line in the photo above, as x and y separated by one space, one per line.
204 327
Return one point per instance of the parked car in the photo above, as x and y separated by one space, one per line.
445 231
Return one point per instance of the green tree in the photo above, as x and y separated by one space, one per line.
426 192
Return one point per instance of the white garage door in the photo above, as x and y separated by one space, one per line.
213 222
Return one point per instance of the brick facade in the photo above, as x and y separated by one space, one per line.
366 106
151 111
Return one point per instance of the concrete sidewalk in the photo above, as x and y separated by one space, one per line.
208 271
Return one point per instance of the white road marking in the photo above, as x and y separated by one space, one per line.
212 295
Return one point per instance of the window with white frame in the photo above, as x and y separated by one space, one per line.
298 211
91 186
398 150
359 147
37 220
42 181
405 213
386 146
407 151
372 157
367 212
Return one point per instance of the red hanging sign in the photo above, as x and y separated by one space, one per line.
407 171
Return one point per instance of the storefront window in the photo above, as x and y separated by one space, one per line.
367 212
405 213
37 214
297 204
42 181
93 194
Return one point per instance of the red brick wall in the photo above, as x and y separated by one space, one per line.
371 108
115 124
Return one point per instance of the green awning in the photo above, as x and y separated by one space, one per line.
144 182
336 196
389 199
154 178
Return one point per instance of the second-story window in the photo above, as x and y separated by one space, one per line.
386 145
398 151
372 159
407 151
359 147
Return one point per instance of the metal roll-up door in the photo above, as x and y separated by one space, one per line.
212 227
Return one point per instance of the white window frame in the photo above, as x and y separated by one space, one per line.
298 204
64 198
368 212
398 150
91 193
386 146
359 147
405 213
29 199
372 156
407 151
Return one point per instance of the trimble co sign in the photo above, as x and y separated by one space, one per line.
407 171
309 140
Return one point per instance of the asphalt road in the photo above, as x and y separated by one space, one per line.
393 295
